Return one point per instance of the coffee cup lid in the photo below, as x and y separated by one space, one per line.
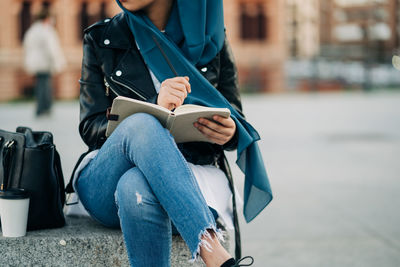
14 193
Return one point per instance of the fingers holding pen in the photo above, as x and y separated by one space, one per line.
178 90
173 92
184 81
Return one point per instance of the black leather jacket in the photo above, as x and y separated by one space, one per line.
112 65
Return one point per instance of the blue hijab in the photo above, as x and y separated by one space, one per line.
194 34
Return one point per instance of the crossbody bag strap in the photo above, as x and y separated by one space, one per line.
238 243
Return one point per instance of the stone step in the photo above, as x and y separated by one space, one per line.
82 242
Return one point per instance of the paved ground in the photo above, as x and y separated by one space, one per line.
334 165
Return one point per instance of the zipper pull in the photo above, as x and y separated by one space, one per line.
216 158
107 87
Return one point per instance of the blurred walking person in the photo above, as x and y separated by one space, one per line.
43 57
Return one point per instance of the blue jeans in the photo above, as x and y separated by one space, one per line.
140 181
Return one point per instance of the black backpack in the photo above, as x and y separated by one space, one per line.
29 160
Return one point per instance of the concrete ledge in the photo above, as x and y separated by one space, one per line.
82 242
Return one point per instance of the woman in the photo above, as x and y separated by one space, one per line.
138 178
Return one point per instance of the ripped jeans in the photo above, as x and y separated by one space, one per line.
140 181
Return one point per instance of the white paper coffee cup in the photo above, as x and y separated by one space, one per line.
14 208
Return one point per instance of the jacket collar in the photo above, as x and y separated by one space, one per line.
117 33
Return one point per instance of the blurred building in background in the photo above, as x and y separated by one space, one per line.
278 44
256 30
71 16
254 27
357 39
302 28
360 29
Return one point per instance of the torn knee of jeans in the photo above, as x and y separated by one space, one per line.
139 199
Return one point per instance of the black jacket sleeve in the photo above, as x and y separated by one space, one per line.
93 100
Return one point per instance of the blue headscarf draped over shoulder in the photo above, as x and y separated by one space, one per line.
193 37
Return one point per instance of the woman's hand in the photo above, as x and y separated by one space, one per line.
219 131
173 92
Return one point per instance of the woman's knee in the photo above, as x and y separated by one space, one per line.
133 191
140 131
145 122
